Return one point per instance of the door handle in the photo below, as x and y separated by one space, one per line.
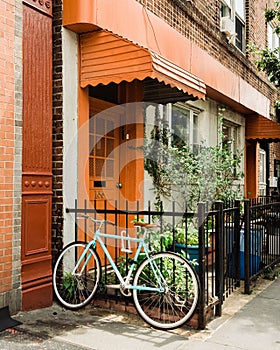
118 185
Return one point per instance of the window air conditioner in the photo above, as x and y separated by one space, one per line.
227 26
273 181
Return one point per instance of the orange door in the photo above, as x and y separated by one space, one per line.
104 140
104 162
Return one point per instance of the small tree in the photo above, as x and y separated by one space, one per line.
212 173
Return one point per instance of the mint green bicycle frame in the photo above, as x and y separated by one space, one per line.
124 282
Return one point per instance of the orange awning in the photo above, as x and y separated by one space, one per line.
107 58
260 128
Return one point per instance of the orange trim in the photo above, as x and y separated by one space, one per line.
261 128
106 58
251 172
133 21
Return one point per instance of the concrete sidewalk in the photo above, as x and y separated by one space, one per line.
255 326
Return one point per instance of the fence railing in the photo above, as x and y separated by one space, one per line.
230 243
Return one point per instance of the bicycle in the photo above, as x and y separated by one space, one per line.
164 287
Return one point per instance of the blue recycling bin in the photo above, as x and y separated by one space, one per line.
256 239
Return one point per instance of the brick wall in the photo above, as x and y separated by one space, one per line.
57 215
10 153
199 20
6 144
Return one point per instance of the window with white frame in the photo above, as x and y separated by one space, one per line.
231 134
272 38
180 120
235 10
262 172
184 126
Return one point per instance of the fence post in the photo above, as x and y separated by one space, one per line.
201 263
219 257
247 246
236 244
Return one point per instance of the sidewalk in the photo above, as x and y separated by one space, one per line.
255 326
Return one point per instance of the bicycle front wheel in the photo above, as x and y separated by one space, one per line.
75 281
175 302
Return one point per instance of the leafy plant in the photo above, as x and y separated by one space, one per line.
69 285
191 232
207 175
267 60
271 274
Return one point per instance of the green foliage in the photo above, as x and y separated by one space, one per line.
190 230
69 285
273 14
156 157
267 60
207 175
271 274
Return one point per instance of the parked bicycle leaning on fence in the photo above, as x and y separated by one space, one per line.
164 286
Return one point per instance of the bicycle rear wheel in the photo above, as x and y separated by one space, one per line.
75 284
176 303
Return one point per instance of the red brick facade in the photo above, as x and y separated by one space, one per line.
7 142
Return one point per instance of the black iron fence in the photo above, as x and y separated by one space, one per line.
229 244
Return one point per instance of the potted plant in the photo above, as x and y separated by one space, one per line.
191 232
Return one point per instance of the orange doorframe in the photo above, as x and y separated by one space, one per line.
251 170
128 92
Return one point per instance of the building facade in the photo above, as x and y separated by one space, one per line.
77 77
10 154
202 48
26 154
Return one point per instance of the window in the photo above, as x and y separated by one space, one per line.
272 38
226 8
179 119
262 172
235 10
184 127
231 132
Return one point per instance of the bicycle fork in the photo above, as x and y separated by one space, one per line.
82 257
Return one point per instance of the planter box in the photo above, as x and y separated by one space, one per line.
192 252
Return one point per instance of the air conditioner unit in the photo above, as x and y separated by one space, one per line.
227 26
273 181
